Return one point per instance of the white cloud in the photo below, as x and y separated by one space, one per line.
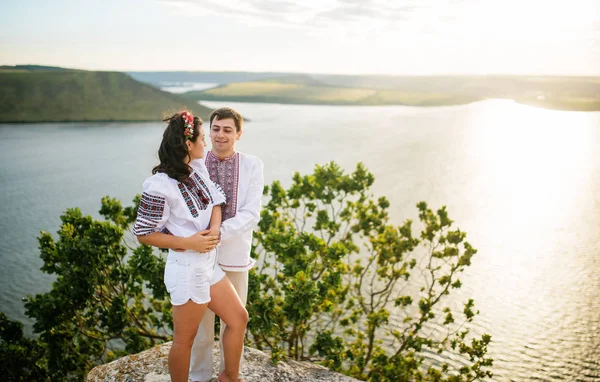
308 13
410 35
339 36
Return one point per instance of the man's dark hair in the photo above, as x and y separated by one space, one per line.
227 112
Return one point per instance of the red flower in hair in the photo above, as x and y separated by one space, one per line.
188 122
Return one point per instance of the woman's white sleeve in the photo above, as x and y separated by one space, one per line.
153 211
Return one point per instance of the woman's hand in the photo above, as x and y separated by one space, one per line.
202 241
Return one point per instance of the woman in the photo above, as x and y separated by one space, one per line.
181 210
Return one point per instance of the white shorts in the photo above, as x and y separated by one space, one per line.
189 275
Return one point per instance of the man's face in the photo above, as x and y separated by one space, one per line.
223 135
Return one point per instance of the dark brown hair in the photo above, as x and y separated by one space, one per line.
173 151
227 112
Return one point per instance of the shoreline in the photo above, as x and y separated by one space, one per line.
308 103
286 102
80 121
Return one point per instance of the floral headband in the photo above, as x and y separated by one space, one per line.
188 122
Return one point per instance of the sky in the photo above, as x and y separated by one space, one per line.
401 37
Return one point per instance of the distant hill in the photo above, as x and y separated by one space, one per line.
31 67
553 92
55 95
308 90
499 86
158 78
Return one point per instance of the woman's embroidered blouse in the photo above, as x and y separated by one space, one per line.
180 209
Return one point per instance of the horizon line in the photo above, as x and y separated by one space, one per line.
441 74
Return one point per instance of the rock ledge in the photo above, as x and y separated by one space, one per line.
151 366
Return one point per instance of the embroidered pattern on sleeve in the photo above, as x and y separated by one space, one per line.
150 213
220 191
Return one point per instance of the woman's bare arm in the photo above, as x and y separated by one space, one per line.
199 242
215 221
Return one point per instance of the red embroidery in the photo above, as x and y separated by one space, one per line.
194 189
225 173
236 266
149 214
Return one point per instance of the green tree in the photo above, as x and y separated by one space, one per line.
337 283
21 359
108 299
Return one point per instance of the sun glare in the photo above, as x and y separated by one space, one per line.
523 160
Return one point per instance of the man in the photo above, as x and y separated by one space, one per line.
241 178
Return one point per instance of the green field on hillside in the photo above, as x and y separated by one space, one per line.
296 93
68 95
563 93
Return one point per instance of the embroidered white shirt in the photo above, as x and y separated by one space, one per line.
180 209
236 231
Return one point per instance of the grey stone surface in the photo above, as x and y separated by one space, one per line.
151 366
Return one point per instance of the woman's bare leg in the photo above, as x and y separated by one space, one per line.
186 319
227 305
